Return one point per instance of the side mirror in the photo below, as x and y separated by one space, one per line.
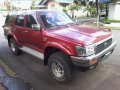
36 27
76 20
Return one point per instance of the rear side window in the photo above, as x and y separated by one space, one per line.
30 20
19 21
9 19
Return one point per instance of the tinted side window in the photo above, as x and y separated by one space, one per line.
9 19
19 21
30 20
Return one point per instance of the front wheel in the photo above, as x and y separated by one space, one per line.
60 67
14 48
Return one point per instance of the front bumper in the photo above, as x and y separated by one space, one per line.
93 59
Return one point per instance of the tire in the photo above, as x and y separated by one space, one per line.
14 48
60 67
84 69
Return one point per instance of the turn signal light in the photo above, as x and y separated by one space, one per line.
92 62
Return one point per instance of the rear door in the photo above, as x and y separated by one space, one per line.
20 28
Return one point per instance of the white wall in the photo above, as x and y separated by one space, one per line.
114 11
22 4
57 6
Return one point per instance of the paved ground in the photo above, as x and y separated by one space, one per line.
105 77
11 82
2 87
8 79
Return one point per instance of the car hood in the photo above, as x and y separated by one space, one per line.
82 34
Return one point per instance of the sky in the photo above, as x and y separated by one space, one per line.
2 0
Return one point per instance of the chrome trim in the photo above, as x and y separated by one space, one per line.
95 44
33 52
103 40
97 56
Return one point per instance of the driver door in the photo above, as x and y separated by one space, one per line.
34 38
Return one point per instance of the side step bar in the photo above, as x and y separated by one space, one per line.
32 52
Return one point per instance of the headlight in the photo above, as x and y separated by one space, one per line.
85 51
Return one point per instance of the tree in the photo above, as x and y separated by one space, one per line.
72 8
77 2
90 6
90 10
8 5
33 4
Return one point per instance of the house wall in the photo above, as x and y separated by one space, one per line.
22 4
114 10
54 5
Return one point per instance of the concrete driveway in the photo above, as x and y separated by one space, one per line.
106 76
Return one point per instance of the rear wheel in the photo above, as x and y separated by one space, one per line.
60 67
14 48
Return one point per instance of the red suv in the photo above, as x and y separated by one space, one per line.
56 39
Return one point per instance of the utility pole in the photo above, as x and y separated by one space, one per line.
98 12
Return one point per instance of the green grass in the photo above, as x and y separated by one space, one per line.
117 21
107 21
113 28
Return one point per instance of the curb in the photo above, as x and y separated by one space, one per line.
2 87
8 80
8 70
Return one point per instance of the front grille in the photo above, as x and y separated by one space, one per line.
103 46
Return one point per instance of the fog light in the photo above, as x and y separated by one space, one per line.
93 61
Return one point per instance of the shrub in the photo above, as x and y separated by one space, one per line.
115 21
106 21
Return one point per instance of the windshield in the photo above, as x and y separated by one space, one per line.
52 19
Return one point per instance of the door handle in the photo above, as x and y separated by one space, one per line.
25 31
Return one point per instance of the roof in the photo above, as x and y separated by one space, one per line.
45 2
31 12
